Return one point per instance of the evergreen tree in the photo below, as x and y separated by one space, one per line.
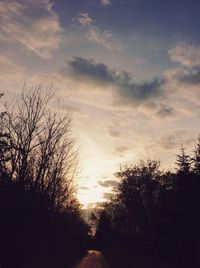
183 162
196 158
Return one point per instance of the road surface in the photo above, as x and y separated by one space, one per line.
94 259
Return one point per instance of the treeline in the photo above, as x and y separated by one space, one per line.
40 222
156 212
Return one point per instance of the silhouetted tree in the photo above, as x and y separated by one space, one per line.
37 150
136 192
183 162
196 158
158 207
40 223
104 230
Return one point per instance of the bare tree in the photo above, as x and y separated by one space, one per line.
37 150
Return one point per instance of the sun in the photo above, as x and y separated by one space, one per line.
89 190
90 197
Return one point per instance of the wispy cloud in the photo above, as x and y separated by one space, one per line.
113 132
107 195
8 8
83 18
105 2
104 38
94 34
184 80
108 183
10 72
121 150
34 25
185 54
189 76
174 139
165 111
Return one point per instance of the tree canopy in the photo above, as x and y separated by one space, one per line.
40 216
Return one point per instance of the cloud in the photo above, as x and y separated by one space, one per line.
77 110
84 19
107 195
105 2
113 132
169 142
139 93
104 38
10 72
188 56
6 8
189 76
185 54
97 205
108 183
121 150
165 111
125 92
94 34
33 24
84 188
173 140
97 72
182 82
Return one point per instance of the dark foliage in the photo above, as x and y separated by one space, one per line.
156 212
40 223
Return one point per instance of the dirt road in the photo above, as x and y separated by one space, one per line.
94 259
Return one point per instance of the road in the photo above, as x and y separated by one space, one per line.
94 259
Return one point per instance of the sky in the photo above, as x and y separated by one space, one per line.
129 71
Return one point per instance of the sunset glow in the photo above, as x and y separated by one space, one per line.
127 70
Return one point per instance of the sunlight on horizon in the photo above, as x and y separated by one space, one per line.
91 196
96 166
133 92
94 171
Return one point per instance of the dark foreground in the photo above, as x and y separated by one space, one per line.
93 259
126 259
